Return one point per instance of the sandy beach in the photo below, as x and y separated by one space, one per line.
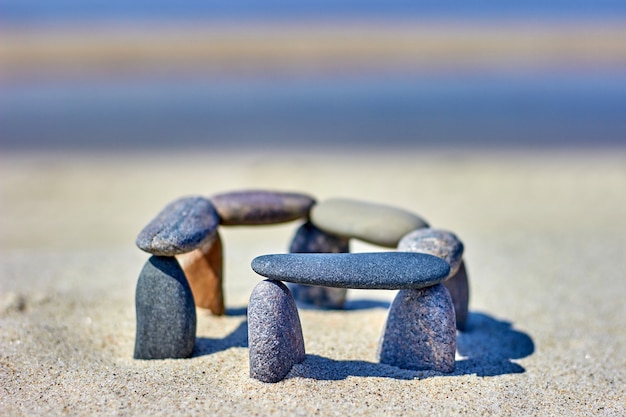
545 250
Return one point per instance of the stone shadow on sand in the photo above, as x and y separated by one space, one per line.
208 345
487 347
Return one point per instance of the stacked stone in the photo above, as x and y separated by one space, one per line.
186 267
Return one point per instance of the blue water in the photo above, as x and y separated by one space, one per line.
415 111
46 10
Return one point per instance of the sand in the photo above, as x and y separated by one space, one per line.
545 251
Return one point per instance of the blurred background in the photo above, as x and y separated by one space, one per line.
145 75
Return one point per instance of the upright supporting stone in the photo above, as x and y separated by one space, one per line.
274 332
420 331
166 315
310 239
458 287
203 269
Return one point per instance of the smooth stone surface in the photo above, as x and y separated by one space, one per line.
420 332
375 223
440 243
182 226
378 270
310 239
203 268
257 207
274 332
458 287
166 315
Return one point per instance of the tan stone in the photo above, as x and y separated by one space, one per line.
203 269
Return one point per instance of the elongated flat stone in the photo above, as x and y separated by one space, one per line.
378 270
257 207
274 332
166 315
182 226
437 242
375 223
310 239
420 332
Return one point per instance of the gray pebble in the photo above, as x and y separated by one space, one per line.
166 314
274 332
182 226
377 270
440 243
375 223
310 239
420 331
256 207
458 287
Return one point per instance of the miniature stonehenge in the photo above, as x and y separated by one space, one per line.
185 271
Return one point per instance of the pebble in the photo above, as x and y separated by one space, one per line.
420 332
310 239
166 315
440 243
274 332
180 227
377 270
203 268
255 207
375 223
458 287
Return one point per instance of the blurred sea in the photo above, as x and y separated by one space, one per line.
475 110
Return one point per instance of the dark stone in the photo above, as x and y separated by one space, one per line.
256 207
420 332
310 239
182 226
375 223
378 270
458 287
274 332
166 315
440 243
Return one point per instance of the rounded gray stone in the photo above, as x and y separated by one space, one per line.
458 287
258 207
377 270
274 332
437 242
375 223
166 313
182 226
420 331
310 239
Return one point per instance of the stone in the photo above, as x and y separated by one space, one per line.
166 315
310 239
375 223
420 331
458 287
203 269
182 226
437 242
256 207
274 332
378 270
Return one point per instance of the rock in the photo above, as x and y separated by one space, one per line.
458 287
374 223
440 243
310 239
203 269
378 270
166 315
256 207
274 332
182 226
420 331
